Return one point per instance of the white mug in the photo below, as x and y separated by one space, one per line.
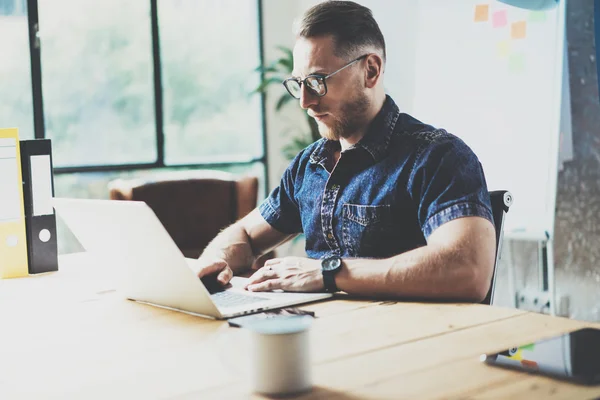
280 355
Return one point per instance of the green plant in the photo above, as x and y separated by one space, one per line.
274 73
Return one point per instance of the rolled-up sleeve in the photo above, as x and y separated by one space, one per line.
447 182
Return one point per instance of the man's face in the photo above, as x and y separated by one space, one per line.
342 111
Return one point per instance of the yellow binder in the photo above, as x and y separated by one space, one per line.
13 244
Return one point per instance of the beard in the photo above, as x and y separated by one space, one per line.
350 120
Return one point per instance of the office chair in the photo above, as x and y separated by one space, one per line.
193 209
501 202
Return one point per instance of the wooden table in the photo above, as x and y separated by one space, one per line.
69 334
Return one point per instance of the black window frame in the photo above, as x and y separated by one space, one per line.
38 102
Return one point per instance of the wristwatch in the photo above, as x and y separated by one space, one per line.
330 266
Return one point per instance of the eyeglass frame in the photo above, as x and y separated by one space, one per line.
301 82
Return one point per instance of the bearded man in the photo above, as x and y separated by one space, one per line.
389 206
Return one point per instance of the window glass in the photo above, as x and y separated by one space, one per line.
209 53
16 106
97 78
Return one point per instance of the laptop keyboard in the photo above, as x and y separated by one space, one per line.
228 298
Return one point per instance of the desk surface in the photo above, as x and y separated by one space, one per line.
70 335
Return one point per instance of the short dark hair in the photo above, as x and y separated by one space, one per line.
351 25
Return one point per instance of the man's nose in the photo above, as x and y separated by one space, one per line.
307 97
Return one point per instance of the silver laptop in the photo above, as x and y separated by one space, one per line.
151 268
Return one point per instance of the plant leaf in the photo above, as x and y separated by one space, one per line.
273 69
286 51
288 65
297 144
266 82
287 60
267 69
283 100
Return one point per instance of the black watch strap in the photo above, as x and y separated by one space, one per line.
329 281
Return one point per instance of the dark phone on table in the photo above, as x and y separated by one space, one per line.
573 356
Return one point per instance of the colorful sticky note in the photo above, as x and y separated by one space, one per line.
503 48
499 19
482 12
516 63
537 16
518 30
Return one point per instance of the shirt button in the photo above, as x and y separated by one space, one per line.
330 236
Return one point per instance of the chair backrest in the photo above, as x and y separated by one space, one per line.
501 202
193 209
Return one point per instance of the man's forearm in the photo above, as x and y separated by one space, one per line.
425 272
233 246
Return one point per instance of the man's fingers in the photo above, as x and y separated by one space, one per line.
225 276
262 275
213 267
265 286
272 261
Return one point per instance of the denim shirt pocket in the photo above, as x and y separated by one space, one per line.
365 229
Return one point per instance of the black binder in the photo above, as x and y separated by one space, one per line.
38 191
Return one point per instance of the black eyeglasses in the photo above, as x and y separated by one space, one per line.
314 82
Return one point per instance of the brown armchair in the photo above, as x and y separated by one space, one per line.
193 209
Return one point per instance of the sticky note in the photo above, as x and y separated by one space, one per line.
482 12
518 30
503 48
499 19
516 63
537 16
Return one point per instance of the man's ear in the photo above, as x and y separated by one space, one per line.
374 70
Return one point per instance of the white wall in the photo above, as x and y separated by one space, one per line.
397 20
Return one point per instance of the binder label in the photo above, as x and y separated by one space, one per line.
41 185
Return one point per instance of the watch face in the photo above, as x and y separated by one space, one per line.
331 263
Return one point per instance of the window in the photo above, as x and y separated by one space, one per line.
117 103
16 106
209 53
97 79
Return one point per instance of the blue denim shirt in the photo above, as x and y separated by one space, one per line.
386 194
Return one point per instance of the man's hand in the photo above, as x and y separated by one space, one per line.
205 267
292 274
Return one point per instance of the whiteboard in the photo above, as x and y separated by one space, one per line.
492 75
